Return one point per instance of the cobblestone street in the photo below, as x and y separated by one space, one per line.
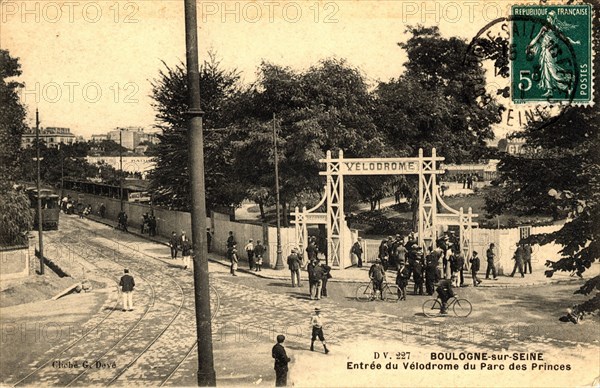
154 344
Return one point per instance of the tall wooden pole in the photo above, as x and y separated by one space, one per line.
206 370
279 262
40 220
121 167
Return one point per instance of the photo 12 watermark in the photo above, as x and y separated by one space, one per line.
269 11
69 11
77 92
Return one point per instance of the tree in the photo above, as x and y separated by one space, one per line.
435 102
12 119
16 217
563 175
66 160
324 108
169 181
106 148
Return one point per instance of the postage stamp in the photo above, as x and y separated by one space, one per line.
551 54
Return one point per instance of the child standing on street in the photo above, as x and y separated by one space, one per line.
475 265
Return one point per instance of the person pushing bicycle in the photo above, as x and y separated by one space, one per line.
445 291
377 276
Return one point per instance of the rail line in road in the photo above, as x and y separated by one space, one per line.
165 298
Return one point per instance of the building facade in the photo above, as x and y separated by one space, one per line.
52 136
128 137
131 164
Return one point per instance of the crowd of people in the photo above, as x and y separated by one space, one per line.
254 253
148 224
68 205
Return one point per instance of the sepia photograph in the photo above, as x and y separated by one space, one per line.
309 193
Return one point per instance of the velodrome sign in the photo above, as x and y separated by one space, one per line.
378 166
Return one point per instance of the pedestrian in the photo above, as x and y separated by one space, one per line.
401 254
527 251
102 210
453 264
127 284
294 266
417 270
173 244
377 276
281 362
312 250
431 271
144 225
208 239
317 330
459 261
491 267
475 265
445 246
518 258
186 251
357 250
249 248
402 280
326 277
231 240
233 258
259 251
152 226
315 279
384 251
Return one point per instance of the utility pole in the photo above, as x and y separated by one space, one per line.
121 167
62 172
40 219
206 369
279 262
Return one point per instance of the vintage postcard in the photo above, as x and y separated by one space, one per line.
304 193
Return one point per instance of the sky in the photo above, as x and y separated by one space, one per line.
87 65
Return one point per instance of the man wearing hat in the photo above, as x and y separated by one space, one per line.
281 362
417 270
358 251
431 271
317 330
127 284
377 276
294 266
315 278
475 265
491 267
249 248
402 280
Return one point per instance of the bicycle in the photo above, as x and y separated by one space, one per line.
461 307
365 292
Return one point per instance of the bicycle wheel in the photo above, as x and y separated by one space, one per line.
432 308
388 293
215 302
462 308
364 292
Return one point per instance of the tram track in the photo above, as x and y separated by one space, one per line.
190 310
98 258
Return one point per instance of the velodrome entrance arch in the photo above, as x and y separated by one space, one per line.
339 240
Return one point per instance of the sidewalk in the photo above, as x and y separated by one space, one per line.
360 275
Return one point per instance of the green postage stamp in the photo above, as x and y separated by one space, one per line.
551 52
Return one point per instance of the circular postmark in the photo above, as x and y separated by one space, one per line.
531 69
